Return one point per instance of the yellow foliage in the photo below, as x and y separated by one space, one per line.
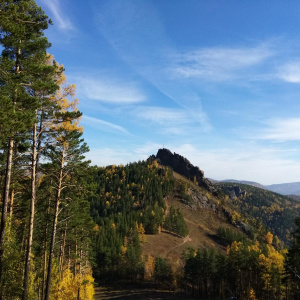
273 262
254 247
87 291
235 246
252 295
269 238
68 286
235 216
149 267
123 249
141 232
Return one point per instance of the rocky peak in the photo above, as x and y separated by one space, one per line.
183 166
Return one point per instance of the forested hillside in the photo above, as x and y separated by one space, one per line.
144 211
262 207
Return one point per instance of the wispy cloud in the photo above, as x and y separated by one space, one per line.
218 64
103 125
169 121
104 89
162 115
137 35
290 72
281 130
109 156
61 19
119 155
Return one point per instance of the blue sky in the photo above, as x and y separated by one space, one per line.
215 81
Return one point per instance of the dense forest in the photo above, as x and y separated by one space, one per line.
66 225
274 211
255 265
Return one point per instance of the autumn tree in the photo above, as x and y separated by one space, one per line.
66 155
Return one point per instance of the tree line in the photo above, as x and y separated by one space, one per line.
45 221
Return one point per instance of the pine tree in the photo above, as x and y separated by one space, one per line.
43 89
22 24
66 155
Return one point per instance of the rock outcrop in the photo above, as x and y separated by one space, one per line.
182 166
236 192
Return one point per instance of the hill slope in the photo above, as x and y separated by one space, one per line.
133 203
292 188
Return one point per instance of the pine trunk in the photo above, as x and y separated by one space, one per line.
11 204
57 203
7 182
5 203
62 251
45 253
32 212
79 271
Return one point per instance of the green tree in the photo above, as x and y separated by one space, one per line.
293 261
163 273
22 25
175 222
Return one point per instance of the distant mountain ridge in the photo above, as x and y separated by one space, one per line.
290 188
183 166
253 183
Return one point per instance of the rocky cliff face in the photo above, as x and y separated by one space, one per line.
182 166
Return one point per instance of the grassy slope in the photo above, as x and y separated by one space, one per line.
203 224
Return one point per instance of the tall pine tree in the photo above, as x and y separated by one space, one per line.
22 25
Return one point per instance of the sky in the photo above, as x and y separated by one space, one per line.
217 82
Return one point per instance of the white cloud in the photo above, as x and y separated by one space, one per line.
102 125
218 64
119 155
243 162
109 156
290 72
162 115
259 164
171 121
281 130
108 90
63 22
144 151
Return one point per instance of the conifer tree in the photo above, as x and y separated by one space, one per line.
66 155
43 117
22 25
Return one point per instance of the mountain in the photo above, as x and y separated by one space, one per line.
292 188
161 216
251 201
143 193
183 166
256 184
